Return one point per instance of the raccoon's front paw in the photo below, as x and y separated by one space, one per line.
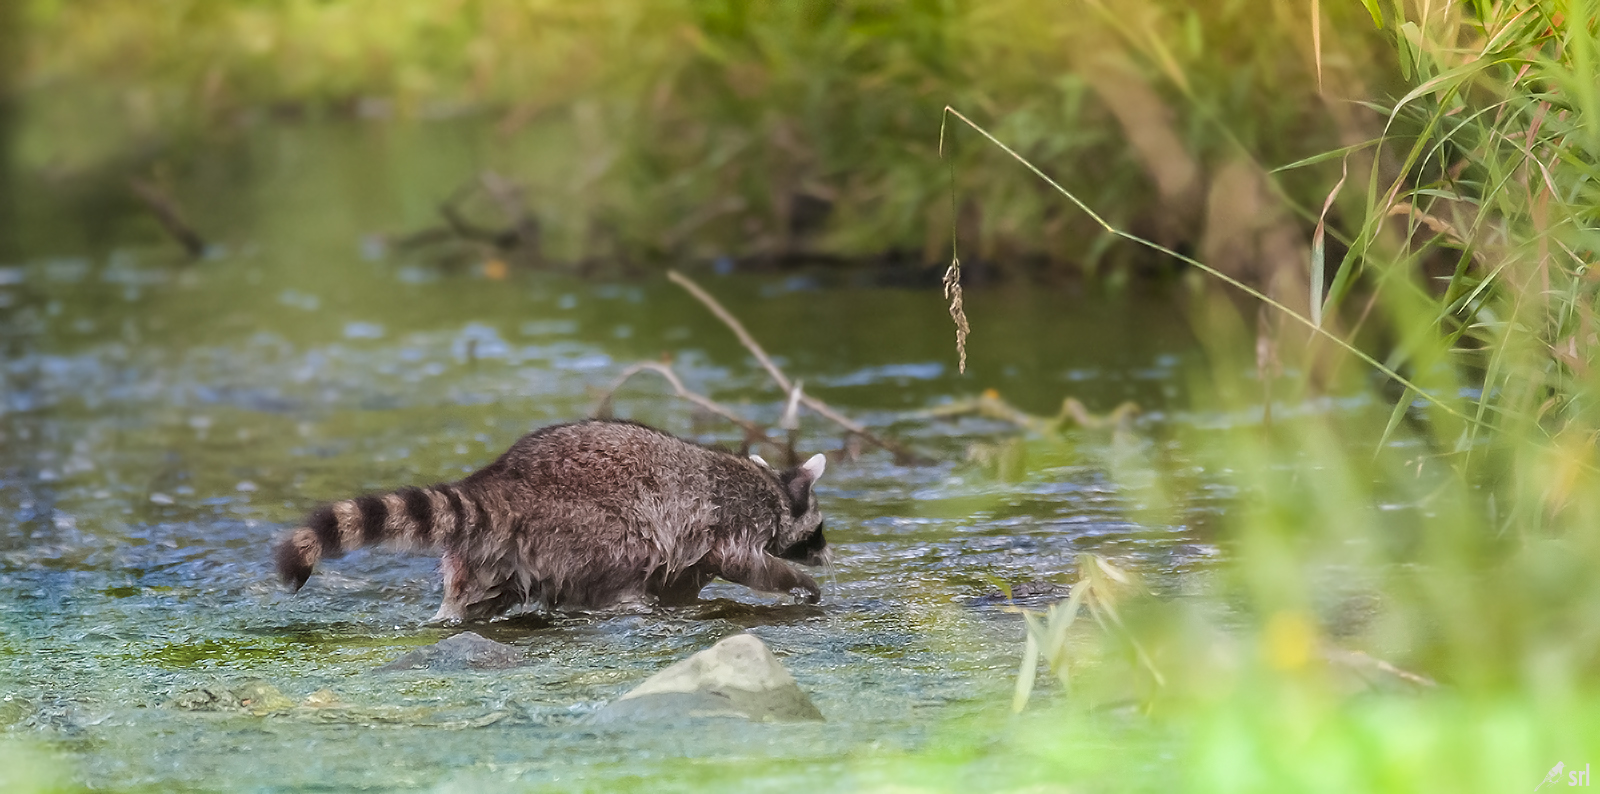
806 595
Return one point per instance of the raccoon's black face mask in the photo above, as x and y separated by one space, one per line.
811 550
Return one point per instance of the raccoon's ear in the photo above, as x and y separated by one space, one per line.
813 467
801 478
762 461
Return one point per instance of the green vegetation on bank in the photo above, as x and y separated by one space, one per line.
773 130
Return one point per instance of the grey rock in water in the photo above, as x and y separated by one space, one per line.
464 651
737 677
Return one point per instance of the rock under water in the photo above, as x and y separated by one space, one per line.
464 651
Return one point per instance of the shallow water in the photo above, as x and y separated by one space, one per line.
162 421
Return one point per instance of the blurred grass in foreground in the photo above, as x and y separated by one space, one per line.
27 767
1456 537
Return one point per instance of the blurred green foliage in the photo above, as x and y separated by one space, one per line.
1455 536
27 768
774 130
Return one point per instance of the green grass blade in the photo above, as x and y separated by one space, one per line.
1377 13
1025 675
1341 152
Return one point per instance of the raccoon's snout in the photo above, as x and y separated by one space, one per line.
812 550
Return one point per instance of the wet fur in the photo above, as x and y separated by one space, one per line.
587 515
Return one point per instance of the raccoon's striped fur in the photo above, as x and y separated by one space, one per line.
588 515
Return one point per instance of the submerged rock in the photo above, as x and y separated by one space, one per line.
464 651
322 699
256 697
13 710
68 715
737 677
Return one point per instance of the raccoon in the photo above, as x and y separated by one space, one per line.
587 515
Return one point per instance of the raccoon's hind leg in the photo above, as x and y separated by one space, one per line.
681 588
458 584
474 594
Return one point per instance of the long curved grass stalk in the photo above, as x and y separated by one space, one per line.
1203 267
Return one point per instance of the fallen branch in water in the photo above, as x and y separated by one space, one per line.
522 230
734 325
170 216
902 454
990 404
465 237
603 409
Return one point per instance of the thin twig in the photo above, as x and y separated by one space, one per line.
902 454
752 430
735 326
789 422
791 410
170 216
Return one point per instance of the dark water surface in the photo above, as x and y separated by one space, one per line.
160 422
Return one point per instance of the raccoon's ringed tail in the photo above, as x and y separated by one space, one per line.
300 550
297 553
406 518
